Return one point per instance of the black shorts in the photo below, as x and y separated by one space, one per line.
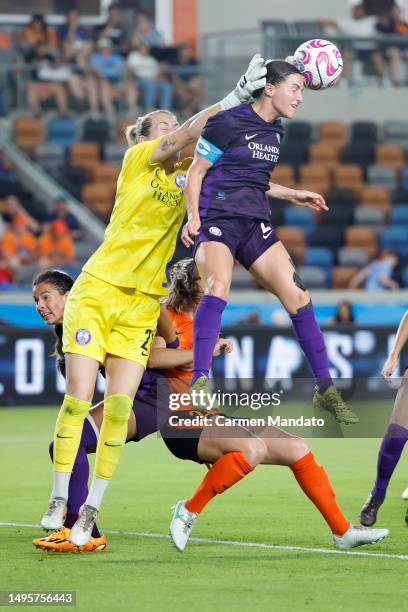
182 441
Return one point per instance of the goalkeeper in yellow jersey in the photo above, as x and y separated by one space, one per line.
112 310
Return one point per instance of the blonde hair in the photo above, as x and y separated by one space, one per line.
142 127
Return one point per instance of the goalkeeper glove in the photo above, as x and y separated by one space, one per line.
253 79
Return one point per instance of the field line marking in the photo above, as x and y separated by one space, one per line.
324 551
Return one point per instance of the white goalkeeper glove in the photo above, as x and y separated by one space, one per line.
253 79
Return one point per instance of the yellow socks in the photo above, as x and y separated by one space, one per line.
112 436
68 431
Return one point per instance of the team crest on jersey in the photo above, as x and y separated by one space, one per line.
215 231
180 180
83 336
221 195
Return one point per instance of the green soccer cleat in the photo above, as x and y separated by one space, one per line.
200 392
332 401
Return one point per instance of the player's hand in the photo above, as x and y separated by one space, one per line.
253 79
222 346
190 229
309 199
389 367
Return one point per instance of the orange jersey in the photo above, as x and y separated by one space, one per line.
183 324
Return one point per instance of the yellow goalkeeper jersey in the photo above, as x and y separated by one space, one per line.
141 236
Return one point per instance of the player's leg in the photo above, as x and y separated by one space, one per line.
389 454
275 271
215 263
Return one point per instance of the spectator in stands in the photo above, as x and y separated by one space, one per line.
61 212
150 77
56 246
108 68
76 47
39 46
19 243
358 29
377 275
145 32
188 86
6 273
396 55
114 30
12 208
344 314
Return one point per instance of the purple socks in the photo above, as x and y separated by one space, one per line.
78 484
207 326
311 340
390 451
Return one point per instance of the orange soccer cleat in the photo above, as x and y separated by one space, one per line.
59 542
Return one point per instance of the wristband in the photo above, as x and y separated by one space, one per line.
173 344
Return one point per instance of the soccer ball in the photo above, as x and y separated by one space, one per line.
320 62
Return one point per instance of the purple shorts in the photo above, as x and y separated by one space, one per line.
151 408
246 238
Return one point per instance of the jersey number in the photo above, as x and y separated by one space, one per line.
147 343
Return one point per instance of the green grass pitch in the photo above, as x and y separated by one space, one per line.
140 573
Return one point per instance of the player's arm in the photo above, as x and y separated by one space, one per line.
165 328
299 197
399 342
253 79
195 177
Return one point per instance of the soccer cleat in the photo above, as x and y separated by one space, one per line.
368 513
200 392
404 494
53 519
357 536
59 542
81 531
332 401
181 524
406 518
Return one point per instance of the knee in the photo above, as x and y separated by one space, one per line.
217 287
297 448
254 450
299 299
117 407
74 409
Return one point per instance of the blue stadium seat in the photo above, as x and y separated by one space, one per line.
298 216
399 214
405 277
314 277
62 130
318 256
394 237
403 254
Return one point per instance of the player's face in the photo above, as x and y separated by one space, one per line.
162 124
288 95
49 303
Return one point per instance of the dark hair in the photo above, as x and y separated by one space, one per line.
277 71
183 291
338 317
62 283
142 127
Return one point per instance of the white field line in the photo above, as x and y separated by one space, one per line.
323 551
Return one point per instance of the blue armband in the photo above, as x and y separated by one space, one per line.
208 151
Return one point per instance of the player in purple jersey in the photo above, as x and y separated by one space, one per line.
227 193
396 436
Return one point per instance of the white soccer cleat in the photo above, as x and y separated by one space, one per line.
356 535
53 519
181 524
81 531
404 494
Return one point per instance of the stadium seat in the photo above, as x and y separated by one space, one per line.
62 130
85 154
351 256
98 199
405 277
390 155
298 216
357 152
337 215
396 132
342 276
327 236
113 152
299 130
96 130
334 132
314 277
72 178
382 176
324 153
375 195
293 239
50 154
317 186
294 152
278 208
364 131
283 174
318 256
314 172
369 216
106 173
349 176
341 197
121 130
394 237
28 132
362 237
399 215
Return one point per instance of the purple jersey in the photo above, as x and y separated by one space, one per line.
243 149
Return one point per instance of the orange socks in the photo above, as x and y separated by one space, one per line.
225 472
315 484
